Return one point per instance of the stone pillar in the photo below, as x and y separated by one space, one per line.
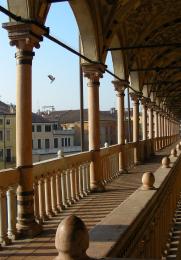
25 37
162 129
159 129
156 129
120 86
94 72
144 117
135 99
150 112
166 128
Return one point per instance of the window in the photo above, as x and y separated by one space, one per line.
55 142
1 135
1 121
62 142
39 143
65 141
8 155
33 128
8 122
68 141
1 154
32 144
47 143
55 127
38 128
7 135
47 128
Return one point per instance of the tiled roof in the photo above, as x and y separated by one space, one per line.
70 116
39 119
4 108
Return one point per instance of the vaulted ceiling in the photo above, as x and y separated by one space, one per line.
147 31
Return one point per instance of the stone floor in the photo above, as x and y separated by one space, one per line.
90 209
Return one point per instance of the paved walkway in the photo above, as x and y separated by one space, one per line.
90 209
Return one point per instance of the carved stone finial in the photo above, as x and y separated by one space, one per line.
72 239
106 145
60 154
165 162
178 147
173 152
148 180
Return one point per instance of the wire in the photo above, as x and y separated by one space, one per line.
60 43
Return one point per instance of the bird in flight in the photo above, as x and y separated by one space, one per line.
51 78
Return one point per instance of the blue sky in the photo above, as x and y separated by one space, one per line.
63 93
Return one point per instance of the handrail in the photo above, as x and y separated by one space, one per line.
129 229
9 177
60 163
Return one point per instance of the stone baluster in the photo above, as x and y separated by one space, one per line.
77 188
12 212
84 179
59 191
48 205
81 181
3 219
73 184
41 195
68 187
88 177
53 193
64 190
36 200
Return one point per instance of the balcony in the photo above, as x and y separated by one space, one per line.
124 220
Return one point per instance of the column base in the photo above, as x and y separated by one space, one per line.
137 163
97 187
28 231
123 171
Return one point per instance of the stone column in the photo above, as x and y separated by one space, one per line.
94 72
144 103
156 129
25 37
135 99
150 113
120 86
159 130
162 129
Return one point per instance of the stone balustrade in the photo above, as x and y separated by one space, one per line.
60 182
9 180
136 229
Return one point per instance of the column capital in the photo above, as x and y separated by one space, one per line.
151 105
135 97
93 71
145 101
120 86
24 36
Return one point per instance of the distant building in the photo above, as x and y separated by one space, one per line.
48 137
7 136
70 120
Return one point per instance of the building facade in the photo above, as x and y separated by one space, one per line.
7 136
